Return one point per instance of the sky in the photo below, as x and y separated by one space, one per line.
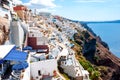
82 10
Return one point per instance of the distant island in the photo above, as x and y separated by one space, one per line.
87 22
115 21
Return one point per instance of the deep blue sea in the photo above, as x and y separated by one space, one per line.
110 33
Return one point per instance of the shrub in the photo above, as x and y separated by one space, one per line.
95 75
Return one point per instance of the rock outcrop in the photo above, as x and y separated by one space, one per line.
4 29
102 42
97 52
1 36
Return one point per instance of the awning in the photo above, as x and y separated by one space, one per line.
5 49
16 55
20 66
1 61
27 48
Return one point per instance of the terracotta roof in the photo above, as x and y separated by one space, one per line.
20 7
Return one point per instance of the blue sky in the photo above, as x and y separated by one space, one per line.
83 10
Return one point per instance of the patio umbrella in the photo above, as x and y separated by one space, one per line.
27 48
20 66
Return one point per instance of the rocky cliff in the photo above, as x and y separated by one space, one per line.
92 53
4 30
97 52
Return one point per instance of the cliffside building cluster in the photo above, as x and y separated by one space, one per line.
36 45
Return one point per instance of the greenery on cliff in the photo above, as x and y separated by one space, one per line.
92 69
94 55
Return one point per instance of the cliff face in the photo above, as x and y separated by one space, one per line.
4 30
97 52
1 36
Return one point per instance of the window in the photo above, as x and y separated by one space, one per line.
64 57
39 72
62 62
86 77
65 62
0 66
32 35
76 70
6 16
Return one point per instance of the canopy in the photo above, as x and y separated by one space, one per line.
20 66
1 61
5 49
27 48
16 55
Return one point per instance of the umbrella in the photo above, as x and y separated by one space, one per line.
20 66
27 48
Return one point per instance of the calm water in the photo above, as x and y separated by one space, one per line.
110 33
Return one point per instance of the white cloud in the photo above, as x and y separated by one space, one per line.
41 3
17 1
90 1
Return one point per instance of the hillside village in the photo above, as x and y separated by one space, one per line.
42 46
33 46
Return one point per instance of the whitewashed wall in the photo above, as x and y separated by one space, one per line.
46 67
17 33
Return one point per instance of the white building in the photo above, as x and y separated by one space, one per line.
43 69
72 67
45 14
40 39
17 34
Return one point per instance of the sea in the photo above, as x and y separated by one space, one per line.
109 33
